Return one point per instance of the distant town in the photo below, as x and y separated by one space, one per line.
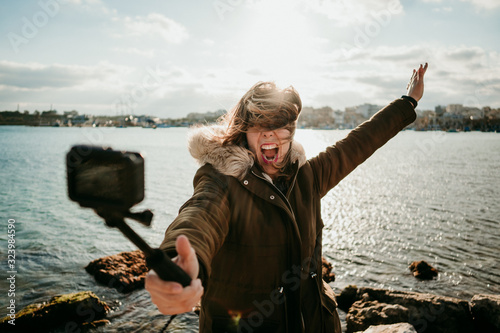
451 118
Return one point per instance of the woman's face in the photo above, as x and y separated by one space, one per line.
269 146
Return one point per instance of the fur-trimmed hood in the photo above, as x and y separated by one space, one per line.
231 160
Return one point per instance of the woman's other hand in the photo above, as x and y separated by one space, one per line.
415 88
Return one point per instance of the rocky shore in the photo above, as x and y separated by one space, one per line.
368 310
428 313
124 271
70 312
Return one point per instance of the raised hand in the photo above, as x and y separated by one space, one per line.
415 87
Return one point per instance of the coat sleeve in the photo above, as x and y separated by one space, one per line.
332 165
203 219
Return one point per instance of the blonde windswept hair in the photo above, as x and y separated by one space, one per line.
266 107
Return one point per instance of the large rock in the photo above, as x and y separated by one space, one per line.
363 314
394 328
422 270
427 313
326 269
70 311
347 297
486 312
125 271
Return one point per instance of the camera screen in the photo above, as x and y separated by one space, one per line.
100 177
101 181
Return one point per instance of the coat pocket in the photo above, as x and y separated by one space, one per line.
328 298
331 320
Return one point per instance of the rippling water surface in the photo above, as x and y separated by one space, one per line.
424 196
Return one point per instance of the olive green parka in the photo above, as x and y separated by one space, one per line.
259 249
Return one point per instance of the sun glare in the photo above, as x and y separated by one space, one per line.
277 37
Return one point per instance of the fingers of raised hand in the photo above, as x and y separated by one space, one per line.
423 69
412 79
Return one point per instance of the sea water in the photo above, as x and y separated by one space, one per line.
430 196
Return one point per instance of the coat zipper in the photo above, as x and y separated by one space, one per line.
285 199
286 311
277 190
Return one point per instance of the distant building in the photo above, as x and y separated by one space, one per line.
367 110
352 118
473 113
440 110
205 117
491 113
453 117
78 120
144 120
339 117
70 113
455 108
50 113
324 117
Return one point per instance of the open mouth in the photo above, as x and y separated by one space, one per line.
269 153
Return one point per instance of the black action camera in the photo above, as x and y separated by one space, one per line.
100 177
111 182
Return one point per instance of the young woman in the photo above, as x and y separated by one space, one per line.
250 237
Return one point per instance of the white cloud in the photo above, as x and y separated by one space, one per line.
342 12
208 42
462 74
442 10
479 4
458 74
155 25
345 13
484 4
96 6
36 76
149 53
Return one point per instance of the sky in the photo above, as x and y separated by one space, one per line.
168 58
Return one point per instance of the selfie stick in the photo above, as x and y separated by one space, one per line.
111 182
156 259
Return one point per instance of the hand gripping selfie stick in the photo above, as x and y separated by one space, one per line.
156 259
111 182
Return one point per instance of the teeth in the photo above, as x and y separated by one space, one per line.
269 147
